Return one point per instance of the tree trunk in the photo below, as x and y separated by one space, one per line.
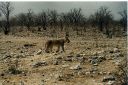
6 32
101 26
7 26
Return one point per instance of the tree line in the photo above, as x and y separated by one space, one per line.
103 19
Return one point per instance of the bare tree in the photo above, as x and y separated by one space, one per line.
13 21
37 22
75 17
64 18
6 8
26 19
61 21
43 19
53 18
29 19
103 18
92 20
0 14
123 20
21 19
0 22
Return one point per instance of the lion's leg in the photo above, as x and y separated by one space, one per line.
63 48
47 50
51 47
47 47
58 48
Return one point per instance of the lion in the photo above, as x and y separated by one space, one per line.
58 43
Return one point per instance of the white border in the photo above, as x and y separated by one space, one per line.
62 0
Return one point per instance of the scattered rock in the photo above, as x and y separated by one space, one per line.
37 64
117 62
59 58
101 73
12 54
108 78
55 62
65 77
2 74
88 73
81 59
95 60
95 64
42 82
111 51
14 70
6 56
29 54
78 55
76 67
68 59
101 58
1 83
94 57
21 83
110 82
59 77
93 69
20 56
118 55
70 56
39 52
64 66
9 42
21 51
29 45
116 50
4 52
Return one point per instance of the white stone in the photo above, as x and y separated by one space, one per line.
65 66
39 52
110 82
76 67
115 49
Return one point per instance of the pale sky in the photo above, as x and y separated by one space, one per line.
87 7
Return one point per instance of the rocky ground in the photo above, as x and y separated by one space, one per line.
88 60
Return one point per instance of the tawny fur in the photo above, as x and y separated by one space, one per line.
58 43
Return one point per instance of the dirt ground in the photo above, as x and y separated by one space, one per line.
72 67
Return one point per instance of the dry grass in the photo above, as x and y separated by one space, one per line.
91 43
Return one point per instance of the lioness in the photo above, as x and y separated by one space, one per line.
59 43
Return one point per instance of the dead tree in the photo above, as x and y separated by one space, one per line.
38 22
0 14
26 19
103 18
75 17
6 9
29 19
43 18
123 20
21 19
60 21
92 20
0 21
53 18
65 20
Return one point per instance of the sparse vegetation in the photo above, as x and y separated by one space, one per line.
96 53
6 9
14 70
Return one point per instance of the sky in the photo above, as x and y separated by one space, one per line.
87 7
